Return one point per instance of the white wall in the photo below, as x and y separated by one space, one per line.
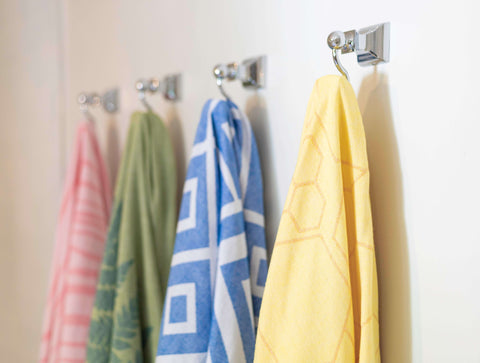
419 112
30 162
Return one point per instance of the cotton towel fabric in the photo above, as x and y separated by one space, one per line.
321 298
128 306
219 265
80 241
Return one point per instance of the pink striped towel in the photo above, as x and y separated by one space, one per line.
81 234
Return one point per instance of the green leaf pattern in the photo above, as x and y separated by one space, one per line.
114 330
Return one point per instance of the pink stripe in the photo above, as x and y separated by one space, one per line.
93 216
90 164
89 185
93 224
89 233
78 289
71 344
77 319
47 335
90 203
84 272
86 254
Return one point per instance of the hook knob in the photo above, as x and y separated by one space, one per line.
336 40
221 71
218 71
154 85
140 86
92 99
96 100
82 98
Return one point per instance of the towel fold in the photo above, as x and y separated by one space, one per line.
134 275
80 242
321 298
219 264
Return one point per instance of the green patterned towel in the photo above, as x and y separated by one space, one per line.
129 301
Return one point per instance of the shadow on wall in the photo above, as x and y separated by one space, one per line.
256 111
112 157
388 220
172 119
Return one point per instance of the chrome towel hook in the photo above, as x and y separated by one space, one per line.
251 72
169 87
372 45
109 101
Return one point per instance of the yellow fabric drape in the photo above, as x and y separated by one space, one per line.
321 299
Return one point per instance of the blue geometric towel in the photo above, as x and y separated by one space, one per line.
219 265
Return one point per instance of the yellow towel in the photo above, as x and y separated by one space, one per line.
321 299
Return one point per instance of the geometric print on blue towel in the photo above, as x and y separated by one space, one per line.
219 265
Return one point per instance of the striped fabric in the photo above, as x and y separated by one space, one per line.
219 264
80 241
